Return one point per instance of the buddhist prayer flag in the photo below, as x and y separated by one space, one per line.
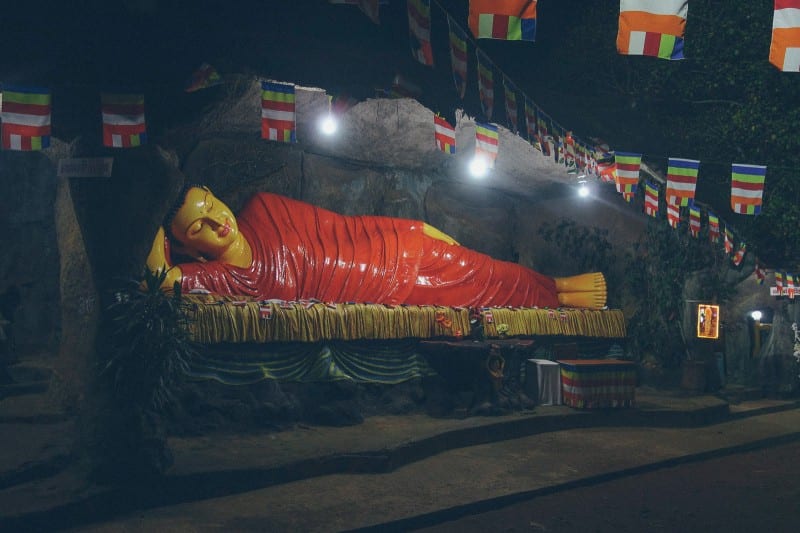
556 134
681 180
202 78
511 20
277 112
761 275
694 221
445 135
779 281
713 227
511 103
747 186
544 133
728 241
651 199
123 120
487 140
419 30
652 28
26 118
627 178
790 286
530 123
784 51
673 215
485 84
458 55
739 255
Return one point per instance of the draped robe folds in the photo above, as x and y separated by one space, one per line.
303 252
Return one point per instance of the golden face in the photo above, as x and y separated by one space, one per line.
204 224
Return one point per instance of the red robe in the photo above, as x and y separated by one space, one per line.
302 252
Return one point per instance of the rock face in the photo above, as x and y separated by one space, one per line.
71 240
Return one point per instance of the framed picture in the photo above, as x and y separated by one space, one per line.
707 321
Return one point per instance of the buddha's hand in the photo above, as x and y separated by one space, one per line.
158 261
430 231
157 258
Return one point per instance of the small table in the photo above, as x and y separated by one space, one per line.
598 383
548 381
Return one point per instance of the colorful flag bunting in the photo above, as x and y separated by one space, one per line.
790 286
673 215
511 103
651 198
204 77
486 142
556 135
652 28
458 56
485 84
530 123
761 275
277 112
728 241
779 281
544 133
123 120
713 227
747 186
627 176
607 168
570 155
681 180
445 135
739 255
694 221
511 20
419 30
26 118
784 50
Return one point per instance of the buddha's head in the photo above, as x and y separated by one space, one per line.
201 224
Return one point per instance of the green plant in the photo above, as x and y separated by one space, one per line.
149 345
657 268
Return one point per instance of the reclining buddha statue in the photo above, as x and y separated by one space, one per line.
280 248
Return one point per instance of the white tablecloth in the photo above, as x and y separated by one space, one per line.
548 380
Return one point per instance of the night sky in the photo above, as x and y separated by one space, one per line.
82 47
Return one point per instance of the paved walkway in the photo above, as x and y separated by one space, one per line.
423 469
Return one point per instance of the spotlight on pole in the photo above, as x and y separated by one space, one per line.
328 125
479 166
756 315
583 187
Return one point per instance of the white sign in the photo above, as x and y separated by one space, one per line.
85 167
773 291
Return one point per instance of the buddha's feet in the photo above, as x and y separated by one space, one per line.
584 290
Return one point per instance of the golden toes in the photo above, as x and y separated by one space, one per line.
593 281
585 299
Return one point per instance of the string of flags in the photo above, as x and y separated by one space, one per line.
644 30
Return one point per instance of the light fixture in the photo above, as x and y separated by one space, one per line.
756 315
479 166
328 125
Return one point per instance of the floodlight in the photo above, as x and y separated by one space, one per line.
479 166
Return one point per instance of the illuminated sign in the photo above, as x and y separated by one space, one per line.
707 321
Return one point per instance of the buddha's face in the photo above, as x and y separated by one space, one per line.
204 224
